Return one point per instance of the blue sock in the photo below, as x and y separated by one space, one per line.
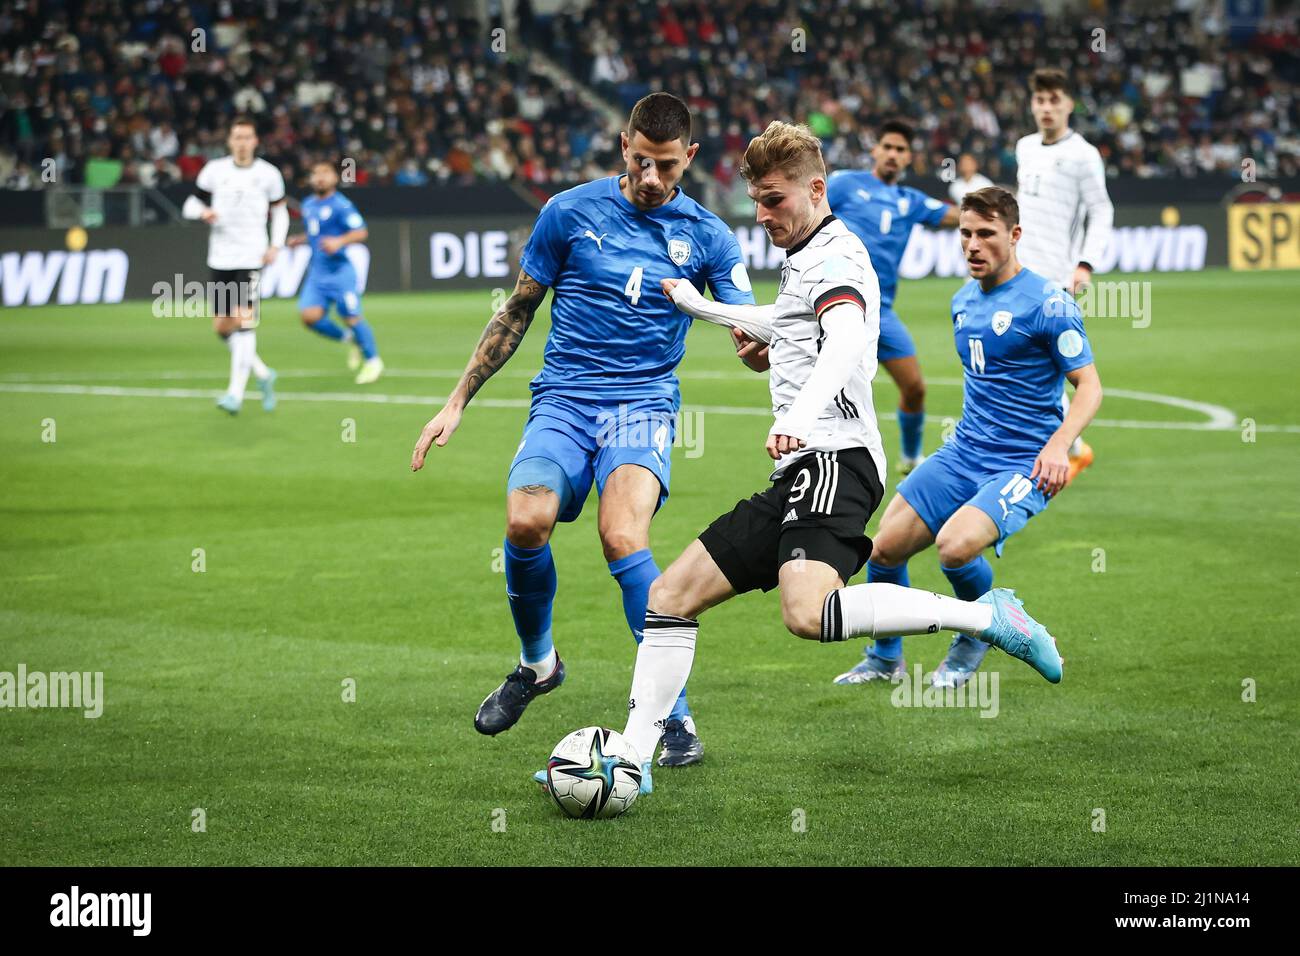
634 574
971 580
365 338
327 328
889 648
912 425
530 584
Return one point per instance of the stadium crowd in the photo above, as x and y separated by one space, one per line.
138 92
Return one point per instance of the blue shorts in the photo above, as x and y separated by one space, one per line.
954 476
895 341
589 439
338 290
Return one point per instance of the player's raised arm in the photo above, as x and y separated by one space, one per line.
754 320
502 336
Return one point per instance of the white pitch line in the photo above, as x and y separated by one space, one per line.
1220 419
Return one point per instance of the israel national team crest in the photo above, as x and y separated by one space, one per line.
904 204
1001 321
679 250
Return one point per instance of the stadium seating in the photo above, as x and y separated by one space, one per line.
118 92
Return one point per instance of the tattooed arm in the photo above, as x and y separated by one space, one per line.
499 340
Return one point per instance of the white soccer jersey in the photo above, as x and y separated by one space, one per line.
830 266
1065 213
958 189
241 198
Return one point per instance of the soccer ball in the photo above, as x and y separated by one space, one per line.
594 773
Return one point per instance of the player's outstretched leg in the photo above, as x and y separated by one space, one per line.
882 659
999 617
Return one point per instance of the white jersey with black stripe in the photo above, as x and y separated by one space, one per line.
1066 215
241 197
829 267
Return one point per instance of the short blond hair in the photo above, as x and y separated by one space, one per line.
784 148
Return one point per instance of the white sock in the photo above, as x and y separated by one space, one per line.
251 358
891 610
543 668
663 663
238 366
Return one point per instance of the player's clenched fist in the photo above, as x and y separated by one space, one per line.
754 354
437 432
778 445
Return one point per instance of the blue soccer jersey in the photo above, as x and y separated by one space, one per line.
1015 342
614 334
882 216
332 216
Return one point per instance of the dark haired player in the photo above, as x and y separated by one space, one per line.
333 223
1019 338
605 402
1064 206
234 195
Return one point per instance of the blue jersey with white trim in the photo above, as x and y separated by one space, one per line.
332 216
881 216
614 334
1015 342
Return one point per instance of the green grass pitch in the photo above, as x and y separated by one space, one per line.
327 560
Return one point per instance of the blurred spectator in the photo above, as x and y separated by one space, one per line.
142 90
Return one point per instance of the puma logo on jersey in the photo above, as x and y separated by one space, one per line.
790 517
591 235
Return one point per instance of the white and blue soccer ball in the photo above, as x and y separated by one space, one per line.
594 773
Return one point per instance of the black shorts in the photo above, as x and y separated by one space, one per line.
235 291
817 510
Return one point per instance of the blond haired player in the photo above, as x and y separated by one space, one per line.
804 533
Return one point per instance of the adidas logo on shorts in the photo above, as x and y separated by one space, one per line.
790 517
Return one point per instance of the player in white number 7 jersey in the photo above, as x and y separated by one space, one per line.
1064 208
805 532
235 195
